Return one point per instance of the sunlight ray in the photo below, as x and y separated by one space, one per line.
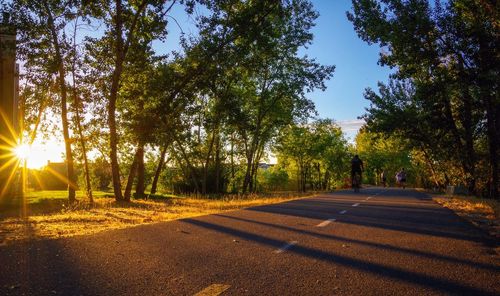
13 133
9 141
61 177
9 179
9 163
38 179
7 155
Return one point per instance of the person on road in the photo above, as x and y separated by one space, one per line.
401 178
356 168
383 178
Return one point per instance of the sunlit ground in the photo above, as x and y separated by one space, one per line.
481 212
49 218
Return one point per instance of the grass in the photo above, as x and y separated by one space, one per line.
484 213
49 215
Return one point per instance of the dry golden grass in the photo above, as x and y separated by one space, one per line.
106 214
484 213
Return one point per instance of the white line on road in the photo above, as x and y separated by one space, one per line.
369 197
213 290
326 222
355 205
343 212
285 247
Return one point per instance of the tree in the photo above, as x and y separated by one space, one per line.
319 152
126 24
44 46
437 96
381 153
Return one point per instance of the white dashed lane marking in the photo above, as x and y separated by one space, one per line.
355 205
343 212
368 198
285 247
326 222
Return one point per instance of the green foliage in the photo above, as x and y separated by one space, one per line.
381 153
274 178
101 174
443 96
317 152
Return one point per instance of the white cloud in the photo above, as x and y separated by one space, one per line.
351 126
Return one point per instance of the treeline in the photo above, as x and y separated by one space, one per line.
317 155
443 98
208 111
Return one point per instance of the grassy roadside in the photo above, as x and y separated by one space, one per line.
50 217
484 213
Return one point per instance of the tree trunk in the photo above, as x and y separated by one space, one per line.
247 180
465 152
139 189
131 176
218 181
159 169
88 184
78 123
207 163
119 55
491 101
232 157
71 180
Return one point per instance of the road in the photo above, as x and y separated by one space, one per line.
376 242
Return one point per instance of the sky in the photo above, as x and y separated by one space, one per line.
335 43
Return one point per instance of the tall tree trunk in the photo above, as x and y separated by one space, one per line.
207 163
465 153
71 180
120 48
159 168
232 157
119 55
78 122
218 181
327 180
247 179
131 176
139 189
88 184
491 100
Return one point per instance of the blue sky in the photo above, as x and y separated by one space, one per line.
335 43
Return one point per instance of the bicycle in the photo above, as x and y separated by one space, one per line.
356 182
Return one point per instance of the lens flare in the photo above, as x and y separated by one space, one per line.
22 151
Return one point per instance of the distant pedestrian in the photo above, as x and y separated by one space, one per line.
401 178
383 178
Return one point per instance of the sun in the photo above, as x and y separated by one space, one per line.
22 151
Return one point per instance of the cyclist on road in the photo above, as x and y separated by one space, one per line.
401 178
356 168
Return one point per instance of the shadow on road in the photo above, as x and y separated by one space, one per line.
430 220
378 269
450 259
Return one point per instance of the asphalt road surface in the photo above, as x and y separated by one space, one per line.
376 242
